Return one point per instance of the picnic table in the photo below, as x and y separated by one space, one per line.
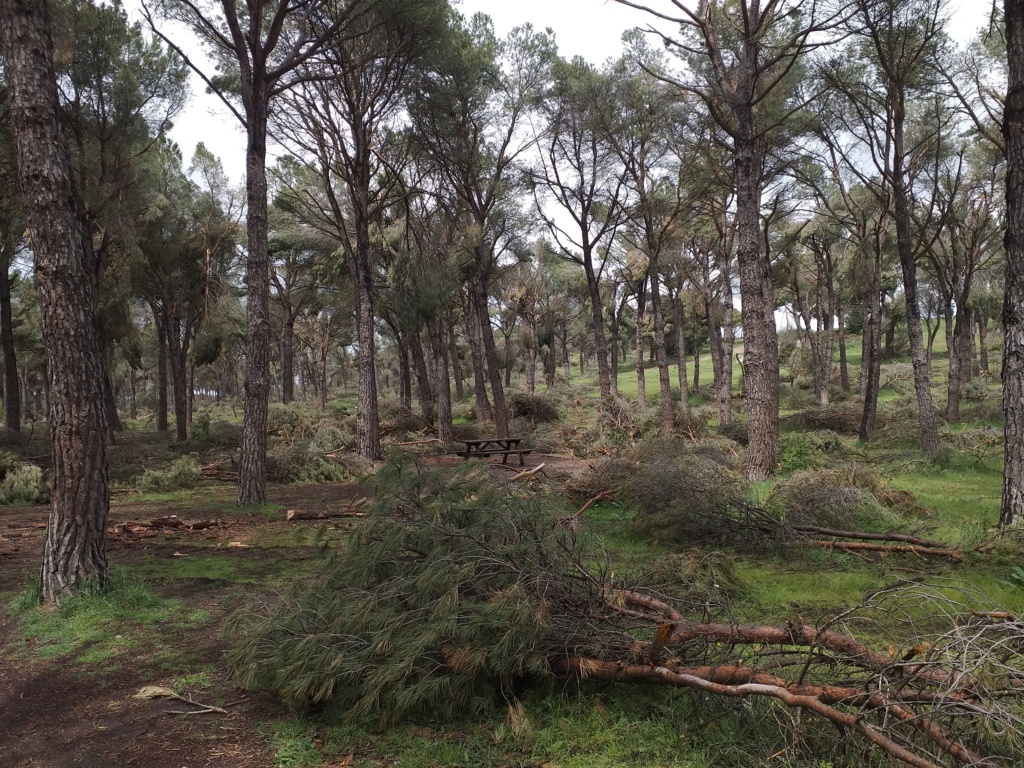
494 446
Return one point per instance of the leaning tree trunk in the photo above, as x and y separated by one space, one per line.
1012 509
760 341
252 467
75 552
12 388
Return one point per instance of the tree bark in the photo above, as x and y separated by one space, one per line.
604 379
425 394
75 552
983 342
442 382
760 341
404 372
641 375
252 467
12 388
684 393
844 370
668 417
453 356
483 405
871 366
1012 508
177 354
479 290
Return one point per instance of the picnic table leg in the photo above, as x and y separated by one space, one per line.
504 458
522 462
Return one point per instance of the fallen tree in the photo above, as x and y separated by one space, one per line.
455 592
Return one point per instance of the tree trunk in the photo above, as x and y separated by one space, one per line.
176 356
1012 509
668 418
288 358
641 375
531 354
252 467
760 342
871 366
905 247
604 379
425 394
367 413
960 370
453 356
75 551
483 405
983 342
844 370
161 372
442 382
480 294
614 372
684 393
12 388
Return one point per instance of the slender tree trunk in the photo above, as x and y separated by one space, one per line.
176 356
483 405
161 374
453 356
12 389
75 551
905 247
960 370
641 375
668 417
288 358
531 354
480 295
844 369
425 395
442 382
871 368
404 371
252 467
614 372
367 413
983 342
684 393
604 379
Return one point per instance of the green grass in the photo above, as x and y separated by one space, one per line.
92 627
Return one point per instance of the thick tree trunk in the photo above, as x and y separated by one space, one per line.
12 389
760 341
288 358
960 371
252 467
1012 509
367 413
75 552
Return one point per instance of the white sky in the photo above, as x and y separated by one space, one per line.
590 28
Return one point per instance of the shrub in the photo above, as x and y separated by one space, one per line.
535 408
843 419
24 484
737 431
977 390
831 498
184 473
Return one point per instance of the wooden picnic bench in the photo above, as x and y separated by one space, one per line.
494 446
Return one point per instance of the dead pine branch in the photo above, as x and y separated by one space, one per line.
903 538
853 547
527 473
159 692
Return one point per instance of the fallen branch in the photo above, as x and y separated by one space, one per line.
352 510
148 529
602 496
815 530
922 552
527 473
159 692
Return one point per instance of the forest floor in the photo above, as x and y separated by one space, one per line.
68 695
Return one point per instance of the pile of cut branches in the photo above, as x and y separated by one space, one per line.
454 593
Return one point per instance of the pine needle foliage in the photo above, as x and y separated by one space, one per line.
449 593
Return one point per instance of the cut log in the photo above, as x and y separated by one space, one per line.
352 510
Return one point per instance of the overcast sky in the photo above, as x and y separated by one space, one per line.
589 28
